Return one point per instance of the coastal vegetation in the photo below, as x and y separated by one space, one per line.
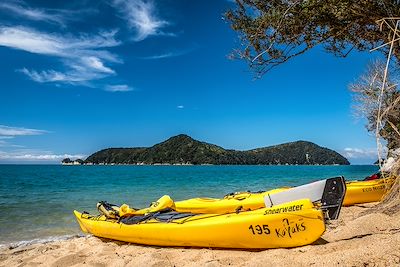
183 149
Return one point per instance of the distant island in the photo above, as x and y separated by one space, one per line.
184 150
68 161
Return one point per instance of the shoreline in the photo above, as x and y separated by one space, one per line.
38 241
356 239
206 164
3 163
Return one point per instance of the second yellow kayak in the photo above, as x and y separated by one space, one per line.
357 192
231 203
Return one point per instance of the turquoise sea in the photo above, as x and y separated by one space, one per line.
36 201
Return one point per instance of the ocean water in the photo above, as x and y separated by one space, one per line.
36 201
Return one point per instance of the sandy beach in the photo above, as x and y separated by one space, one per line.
358 238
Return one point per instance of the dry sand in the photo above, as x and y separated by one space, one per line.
353 240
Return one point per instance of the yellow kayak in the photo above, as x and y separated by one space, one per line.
359 192
243 201
291 224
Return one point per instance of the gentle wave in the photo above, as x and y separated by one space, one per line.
50 239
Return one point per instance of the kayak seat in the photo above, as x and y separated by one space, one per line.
166 216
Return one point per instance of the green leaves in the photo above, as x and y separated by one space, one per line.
272 32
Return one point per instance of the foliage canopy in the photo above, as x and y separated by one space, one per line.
274 31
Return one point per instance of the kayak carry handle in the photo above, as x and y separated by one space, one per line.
333 196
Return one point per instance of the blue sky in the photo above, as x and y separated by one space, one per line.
79 76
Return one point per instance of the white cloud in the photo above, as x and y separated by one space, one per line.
168 54
3 143
8 144
53 76
31 41
49 15
96 64
161 56
82 55
18 154
358 153
6 137
32 155
71 76
7 131
38 14
141 16
118 88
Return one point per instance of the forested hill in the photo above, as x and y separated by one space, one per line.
183 149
